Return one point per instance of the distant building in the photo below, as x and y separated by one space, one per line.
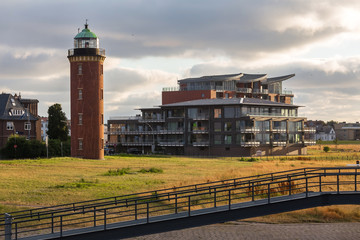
325 133
347 131
228 115
18 116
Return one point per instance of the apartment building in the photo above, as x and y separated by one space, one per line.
239 85
219 125
347 131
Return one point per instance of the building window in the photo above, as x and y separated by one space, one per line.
80 118
80 143
217 113
227 139
102 118
80 94
217 139
102 144
80 69
228 127
101 94
9 126
27 126
217 126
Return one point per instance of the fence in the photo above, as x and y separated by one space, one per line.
142 208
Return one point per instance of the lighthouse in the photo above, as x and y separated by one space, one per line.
87 96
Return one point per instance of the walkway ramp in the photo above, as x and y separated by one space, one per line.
188 206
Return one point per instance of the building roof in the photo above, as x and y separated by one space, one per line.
229 101
8 103
85 33
240 77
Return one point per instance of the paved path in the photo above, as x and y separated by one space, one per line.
243 230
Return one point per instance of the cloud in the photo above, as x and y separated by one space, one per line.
219 37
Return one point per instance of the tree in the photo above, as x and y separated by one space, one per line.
57 127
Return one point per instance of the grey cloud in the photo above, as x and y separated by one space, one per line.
122 80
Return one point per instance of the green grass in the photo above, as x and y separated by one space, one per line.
45 182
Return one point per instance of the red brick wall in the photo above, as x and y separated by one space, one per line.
91 131
182 96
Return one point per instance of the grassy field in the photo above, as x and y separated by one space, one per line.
44 182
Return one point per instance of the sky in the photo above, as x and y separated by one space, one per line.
150 44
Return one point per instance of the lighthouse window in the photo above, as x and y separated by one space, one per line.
79 69
80 143
80 118
101 94
101 70
80 94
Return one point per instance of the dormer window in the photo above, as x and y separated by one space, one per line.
13 102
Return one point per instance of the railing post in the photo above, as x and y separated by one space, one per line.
135 209
8 222
355 180
215 197
306 187
269 192
289 186
189 210
104 219
338 183
147 212
61 226
176 203
320 183
94 216
52 222
229 199
252 192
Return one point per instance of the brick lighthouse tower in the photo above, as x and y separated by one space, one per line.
87 98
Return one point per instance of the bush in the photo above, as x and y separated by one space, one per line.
34 148
326 149
19 147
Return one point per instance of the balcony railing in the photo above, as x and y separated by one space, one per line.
243 90
86 52
310 129
279 143
151 120
260 91
279 130
200 144
250 130
309 142
250 144
171 143
142 132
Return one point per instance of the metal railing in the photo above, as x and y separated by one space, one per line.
171 203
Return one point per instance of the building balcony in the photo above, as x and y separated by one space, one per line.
279 143
250 144
147 120
279 130
138 132
200 144
260 91
244 90
309 142
309 129
136 143
250 130
171 143
86 52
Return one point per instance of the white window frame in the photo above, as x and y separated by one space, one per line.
27 126
80 119
9 125
80 144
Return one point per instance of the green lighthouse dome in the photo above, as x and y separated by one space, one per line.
86 39
85 33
